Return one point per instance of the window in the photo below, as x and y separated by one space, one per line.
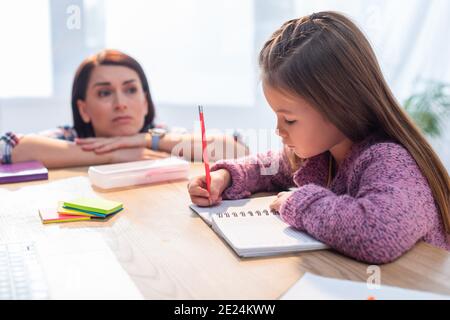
25 64
194 51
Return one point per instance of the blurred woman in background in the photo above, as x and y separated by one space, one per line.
113 121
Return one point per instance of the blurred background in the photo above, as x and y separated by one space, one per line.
205 52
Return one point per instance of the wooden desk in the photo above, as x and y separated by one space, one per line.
171 253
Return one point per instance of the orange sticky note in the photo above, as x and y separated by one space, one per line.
52 216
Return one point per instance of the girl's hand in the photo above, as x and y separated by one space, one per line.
104 145
220 180
281 198
135 154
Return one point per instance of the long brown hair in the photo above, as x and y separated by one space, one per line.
106 57
328 61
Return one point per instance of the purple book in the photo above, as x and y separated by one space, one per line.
23 171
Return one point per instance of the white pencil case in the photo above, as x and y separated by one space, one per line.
139 172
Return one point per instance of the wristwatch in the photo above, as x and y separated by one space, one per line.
156 134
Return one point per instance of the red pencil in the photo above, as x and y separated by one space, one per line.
205 152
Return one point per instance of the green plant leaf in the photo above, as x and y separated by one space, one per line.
430 108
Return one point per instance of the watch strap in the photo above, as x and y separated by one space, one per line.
155 141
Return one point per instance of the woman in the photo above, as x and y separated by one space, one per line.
113 117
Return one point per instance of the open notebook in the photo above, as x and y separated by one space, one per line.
252 229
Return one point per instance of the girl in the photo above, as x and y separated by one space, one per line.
369 184
113 117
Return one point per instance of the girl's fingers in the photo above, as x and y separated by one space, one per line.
200 195
196 190
274 205
217 201
198 181
202 202
214 194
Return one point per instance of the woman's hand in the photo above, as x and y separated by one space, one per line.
135 154
220 180
220 146
225 147
281 198
104 145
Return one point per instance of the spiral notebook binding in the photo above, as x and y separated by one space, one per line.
257 213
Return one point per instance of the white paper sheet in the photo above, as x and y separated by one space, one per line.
80 265
77 263
312 287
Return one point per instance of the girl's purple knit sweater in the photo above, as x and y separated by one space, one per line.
377 207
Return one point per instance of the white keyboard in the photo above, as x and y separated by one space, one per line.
21 275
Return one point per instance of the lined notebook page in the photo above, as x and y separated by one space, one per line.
251 229
261 235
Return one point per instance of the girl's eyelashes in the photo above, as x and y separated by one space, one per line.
289 122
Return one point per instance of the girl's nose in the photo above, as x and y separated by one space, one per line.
281 133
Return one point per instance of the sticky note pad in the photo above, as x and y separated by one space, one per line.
79 212
73 212
94 205
52 216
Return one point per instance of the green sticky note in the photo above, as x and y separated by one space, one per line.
94 205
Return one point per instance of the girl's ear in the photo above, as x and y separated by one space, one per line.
82 108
